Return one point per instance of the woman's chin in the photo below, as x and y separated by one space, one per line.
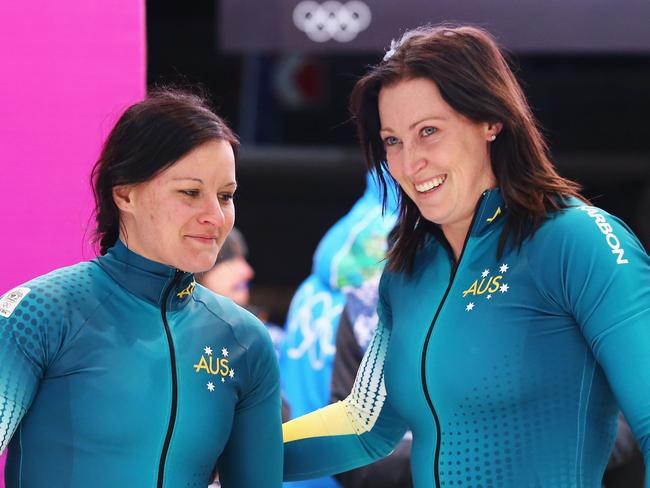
198 265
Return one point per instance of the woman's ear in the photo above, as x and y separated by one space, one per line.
123 197
495 128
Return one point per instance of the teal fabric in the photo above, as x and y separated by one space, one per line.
508 372
351 252
86 381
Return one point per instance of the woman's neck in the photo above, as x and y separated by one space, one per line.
456 235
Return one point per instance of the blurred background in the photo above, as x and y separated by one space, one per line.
282 79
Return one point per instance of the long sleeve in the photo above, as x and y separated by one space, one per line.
253 455
20 362
394 470
604 283
353 432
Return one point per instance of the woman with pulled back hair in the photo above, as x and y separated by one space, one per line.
513 315
122 371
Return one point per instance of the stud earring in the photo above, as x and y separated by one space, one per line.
493 137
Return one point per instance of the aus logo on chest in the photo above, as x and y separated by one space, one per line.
484 285
212 365
218 368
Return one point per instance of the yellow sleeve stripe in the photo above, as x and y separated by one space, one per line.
328 421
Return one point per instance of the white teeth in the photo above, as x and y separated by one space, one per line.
433 183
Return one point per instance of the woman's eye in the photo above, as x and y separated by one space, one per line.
190 193
226 197
427 131
390 141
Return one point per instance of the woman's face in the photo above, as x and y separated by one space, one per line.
181 216
439 157
230 278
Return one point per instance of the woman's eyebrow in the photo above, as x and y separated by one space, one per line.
431 117
187 178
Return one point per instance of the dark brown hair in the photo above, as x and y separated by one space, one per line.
149 137
475 80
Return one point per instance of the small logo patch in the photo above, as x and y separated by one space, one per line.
496 214
10 301
187 291
218 367
488 286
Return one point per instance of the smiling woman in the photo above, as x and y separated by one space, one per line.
510 330
101 371
438 156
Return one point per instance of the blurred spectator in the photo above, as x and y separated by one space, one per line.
231 274
351 252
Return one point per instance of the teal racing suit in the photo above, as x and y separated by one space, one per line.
122 372
508 372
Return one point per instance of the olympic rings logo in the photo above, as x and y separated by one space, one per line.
331 19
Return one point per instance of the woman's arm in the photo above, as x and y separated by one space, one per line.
253 455
20 361
603 280
351 433
392 471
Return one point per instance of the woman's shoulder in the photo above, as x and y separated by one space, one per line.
41 313
580 220
244 325
52 291
583 230
430 251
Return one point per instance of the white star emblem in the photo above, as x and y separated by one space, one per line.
504 288
504 268
489 297
485 273
470 306
210 386
223 380
207 350
224 352
232 373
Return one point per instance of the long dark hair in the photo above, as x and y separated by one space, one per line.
475 80
150 136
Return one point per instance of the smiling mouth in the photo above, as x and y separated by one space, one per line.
207 240
430 184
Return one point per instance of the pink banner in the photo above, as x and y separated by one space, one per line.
68 70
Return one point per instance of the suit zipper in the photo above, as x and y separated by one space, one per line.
426 345
172 358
